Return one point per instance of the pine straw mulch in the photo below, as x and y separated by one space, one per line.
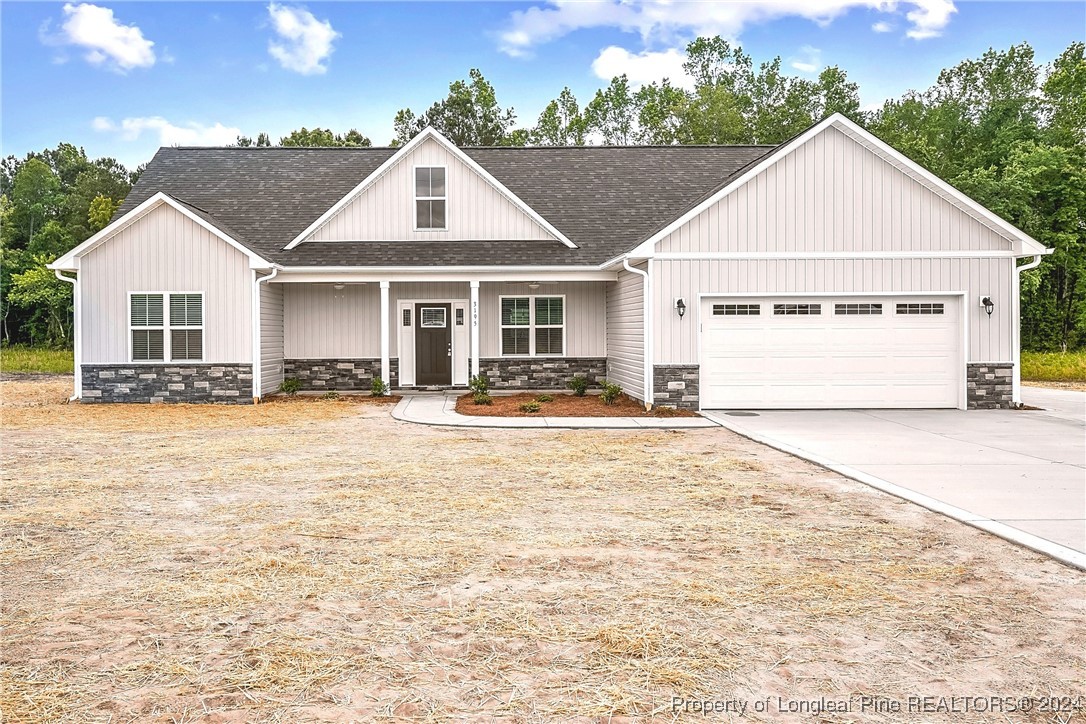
563 405
295 562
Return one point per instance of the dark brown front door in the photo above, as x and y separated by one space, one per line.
433 344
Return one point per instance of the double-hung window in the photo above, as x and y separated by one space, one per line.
533 326
430 198
166 327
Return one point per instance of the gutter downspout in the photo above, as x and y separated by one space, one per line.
647 327
256 329
1016 372
77 337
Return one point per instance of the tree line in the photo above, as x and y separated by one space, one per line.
1006 130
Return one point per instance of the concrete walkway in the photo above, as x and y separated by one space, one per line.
440 409
1020 474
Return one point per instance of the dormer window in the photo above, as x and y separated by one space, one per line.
430 198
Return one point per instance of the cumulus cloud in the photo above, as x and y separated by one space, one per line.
882 27
642 68
105 40
304 43
189 134
809 60
670 21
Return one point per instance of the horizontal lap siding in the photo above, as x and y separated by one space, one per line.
832 195
271 337
625 333
165 251
989 339
386 210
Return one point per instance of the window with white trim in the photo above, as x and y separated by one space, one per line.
166 327
533 326
430 198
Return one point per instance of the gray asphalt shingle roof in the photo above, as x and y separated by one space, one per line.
606 199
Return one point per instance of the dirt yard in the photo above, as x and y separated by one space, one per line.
301 562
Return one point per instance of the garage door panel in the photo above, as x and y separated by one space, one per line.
832 360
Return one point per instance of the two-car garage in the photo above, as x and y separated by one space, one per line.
851 351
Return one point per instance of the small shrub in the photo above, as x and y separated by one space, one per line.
290 386
532 406
479 384
579 385
611 392
330 395
481 398
378 388
545 398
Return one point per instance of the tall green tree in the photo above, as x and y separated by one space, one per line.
322 137
612 113
560 124
468 116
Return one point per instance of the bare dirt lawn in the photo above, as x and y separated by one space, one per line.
294 562
562 405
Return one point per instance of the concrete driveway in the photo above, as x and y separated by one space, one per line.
1018 473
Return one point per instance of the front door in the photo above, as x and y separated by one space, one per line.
433 344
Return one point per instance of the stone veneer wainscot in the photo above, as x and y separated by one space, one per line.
223 383
338 374
541 373
676 386
989 386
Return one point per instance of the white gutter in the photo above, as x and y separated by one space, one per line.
256 328
1016 304
646 326
77 334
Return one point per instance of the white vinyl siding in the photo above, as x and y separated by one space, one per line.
271 337
475 210
625 333
165 252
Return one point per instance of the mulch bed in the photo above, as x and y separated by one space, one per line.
563 405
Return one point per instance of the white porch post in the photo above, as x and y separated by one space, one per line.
474 328
385 376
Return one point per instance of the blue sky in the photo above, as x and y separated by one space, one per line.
122 78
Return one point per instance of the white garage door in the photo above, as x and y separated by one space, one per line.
831 352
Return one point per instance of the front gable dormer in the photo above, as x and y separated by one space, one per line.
430 190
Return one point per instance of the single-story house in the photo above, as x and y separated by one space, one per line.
830 271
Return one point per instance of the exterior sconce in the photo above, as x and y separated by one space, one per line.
533 285
988 304
338 287
680 306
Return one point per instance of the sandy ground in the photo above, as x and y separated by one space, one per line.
319 561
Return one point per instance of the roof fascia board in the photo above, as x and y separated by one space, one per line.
429 133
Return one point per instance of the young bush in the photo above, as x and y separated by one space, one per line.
481 398
611 392
479 384
579 385
545 398
290 386
532 406
378 388
330 395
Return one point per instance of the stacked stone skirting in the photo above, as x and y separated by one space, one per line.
338 374
541 373
226 383
989 386
676 386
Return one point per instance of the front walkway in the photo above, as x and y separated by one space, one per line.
440 409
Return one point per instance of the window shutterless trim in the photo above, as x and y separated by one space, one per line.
532 326
416 198
166 326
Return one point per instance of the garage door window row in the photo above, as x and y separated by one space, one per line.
857 308
792 309
737 310
920 308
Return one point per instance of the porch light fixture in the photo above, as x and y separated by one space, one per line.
533 285
680 306
338 287
988 304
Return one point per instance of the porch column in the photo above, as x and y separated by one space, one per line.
385 372
474 328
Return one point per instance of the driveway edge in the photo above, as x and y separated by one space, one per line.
1063 554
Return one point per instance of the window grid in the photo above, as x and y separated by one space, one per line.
797 309
166 327
532 326
920 308
433 317
853 309
430 198
737 310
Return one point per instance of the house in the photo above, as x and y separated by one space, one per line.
829 271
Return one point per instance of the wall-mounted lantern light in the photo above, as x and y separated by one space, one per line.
680 306
988 304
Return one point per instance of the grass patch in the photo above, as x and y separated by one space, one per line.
22 359
1054 366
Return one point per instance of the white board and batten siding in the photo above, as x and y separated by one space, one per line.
271 337
165 251
626 333
385 210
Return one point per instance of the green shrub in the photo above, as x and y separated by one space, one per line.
378 388
479 384
545 398
579 385
290 386
330 395
611 392
481 398
532 406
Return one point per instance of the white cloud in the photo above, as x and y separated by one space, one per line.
809 60
672 21
304 42
642 68
882 27
106 41
189 134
